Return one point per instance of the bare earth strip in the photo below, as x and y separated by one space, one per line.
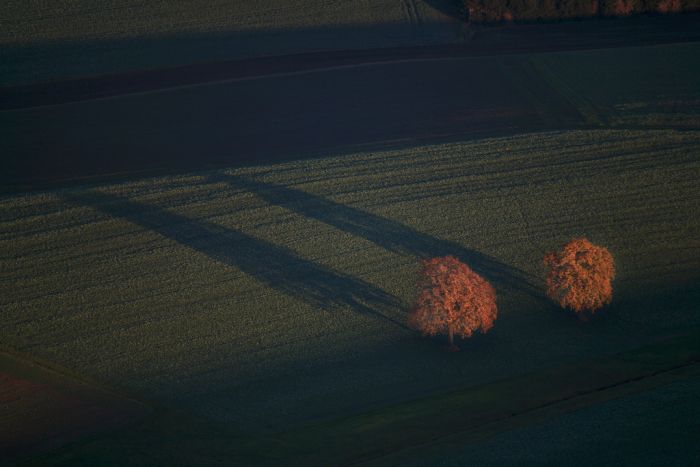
42 408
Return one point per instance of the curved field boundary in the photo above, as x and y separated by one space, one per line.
43 408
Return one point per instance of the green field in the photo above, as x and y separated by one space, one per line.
656 427
44 39
270 296
80 20
452 427
240 256
321 112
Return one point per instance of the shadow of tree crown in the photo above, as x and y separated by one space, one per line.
273 265
386 233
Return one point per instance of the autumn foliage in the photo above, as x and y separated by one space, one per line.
580 276
453 300
669 6
488 11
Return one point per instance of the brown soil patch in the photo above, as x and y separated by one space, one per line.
42 409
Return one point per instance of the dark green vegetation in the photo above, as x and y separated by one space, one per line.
415 429
396 104
656 427
260 311
43 39
262 299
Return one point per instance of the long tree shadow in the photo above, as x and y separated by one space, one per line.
450 8
386 233
273 265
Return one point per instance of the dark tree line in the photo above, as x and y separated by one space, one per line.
485 11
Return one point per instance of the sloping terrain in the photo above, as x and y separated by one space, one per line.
255 291
43 409
275 295
453 427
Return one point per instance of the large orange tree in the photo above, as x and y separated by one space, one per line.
580 276
453 300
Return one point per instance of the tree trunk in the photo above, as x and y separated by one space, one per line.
451 339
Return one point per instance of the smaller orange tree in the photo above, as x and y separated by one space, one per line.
580 276
453 300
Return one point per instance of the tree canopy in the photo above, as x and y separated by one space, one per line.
452 299
580 276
